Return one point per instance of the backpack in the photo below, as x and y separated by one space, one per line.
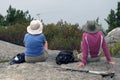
64 57
19 58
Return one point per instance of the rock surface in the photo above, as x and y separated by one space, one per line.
48 70
113 36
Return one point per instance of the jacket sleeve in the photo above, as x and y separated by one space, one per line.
84 49
105 50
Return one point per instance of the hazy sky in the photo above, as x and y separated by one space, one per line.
72 11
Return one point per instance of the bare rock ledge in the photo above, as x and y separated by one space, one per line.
47 70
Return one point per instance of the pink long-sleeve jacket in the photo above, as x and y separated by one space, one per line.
93 45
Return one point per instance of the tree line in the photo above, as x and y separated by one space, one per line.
15 16
60 35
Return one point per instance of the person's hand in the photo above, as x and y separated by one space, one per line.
111 62
81 64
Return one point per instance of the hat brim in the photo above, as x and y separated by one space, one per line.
38 31
85 28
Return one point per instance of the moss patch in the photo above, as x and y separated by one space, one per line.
3 61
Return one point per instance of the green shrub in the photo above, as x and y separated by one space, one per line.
13 34
61 36
115 50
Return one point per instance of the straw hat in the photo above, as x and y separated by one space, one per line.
35 27
91 27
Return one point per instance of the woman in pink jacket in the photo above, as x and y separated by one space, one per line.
92 43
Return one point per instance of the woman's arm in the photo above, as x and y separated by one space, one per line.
46 45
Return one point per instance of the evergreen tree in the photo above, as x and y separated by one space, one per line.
118 15
113 18
17 16
1 20
10 18
100 25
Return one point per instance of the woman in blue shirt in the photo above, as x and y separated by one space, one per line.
35 43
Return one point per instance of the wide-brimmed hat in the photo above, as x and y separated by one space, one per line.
35 27
91 27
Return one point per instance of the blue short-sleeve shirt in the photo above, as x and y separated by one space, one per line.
34 44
